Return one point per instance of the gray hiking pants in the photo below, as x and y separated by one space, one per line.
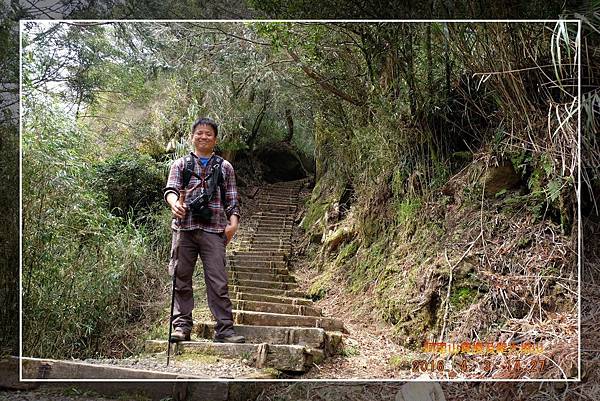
211 249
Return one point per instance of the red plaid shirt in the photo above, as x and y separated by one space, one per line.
220 212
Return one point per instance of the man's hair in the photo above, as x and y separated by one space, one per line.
206 121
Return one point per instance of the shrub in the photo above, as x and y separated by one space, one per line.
132 183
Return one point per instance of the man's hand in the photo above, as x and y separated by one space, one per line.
231 227
179 210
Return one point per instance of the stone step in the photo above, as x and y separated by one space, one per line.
296 358
263 284
264 270
256 258
258 225
265 214
273 307
313 337
278 319
266 291
281 191
52 369
252 248
272 298
263 248
279 200
284 204
277 218
273 236
285 207
264 223
273 232
280 278
270 190
268 264
271 254
264 239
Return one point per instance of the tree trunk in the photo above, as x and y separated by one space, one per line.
429 61
290 125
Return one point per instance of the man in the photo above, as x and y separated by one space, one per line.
206 223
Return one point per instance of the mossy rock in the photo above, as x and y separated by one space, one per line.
499 178
336 238
462 297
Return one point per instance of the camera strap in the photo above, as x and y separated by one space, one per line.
214 177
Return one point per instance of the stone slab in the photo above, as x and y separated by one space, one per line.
51 369
272 307
257 263
272 298
277 319
282 357
266 291
280 278
310 336
263 284
242 269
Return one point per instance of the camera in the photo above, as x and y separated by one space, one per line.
199 207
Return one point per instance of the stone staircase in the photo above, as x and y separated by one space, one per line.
283 329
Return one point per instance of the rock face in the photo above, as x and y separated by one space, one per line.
500 177
282 163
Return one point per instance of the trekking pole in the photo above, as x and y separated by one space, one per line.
176 256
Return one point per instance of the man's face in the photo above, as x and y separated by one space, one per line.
204 139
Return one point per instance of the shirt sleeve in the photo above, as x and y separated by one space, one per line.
232 204
175 180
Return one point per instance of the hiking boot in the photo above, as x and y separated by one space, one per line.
179 335
230 339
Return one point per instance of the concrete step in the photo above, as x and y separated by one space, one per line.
269 264
313 337
273 307
263 284
296 358
266 291
278 319
272 298
280 278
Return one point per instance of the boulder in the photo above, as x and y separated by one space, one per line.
501 177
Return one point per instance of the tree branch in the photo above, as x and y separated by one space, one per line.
322 81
